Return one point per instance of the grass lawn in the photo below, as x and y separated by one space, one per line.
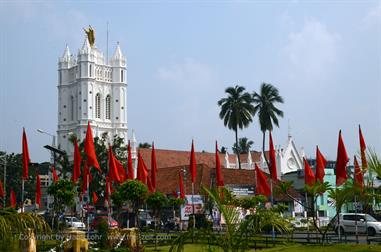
327 248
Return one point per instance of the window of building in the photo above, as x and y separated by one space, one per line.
90 70
121 76
98 106
72 108
108 107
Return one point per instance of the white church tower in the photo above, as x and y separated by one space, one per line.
90 89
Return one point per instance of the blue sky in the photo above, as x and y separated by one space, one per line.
324 57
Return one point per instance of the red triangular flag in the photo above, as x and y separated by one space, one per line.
149 184
87 178
358 176
55 176
341 162
130 167
95 198
38 191
13 198
219 179
193 165
181 182
309 177
2 193
320 166
364 163
77 162
142 170
273 171
90 149
121 171
113 169
153 168
25 156
262 186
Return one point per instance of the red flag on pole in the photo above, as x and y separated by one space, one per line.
87 178
262 187
142 170
320 166
341 162
309 177
358 176
219 179
273 171
90 149
364 163
2 193
55 176
130 168
13 199
95 198
38 191
25 156
77 162
113 169
121 171
149 184
153 168
193 165
181 182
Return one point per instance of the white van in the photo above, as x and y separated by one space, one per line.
365 223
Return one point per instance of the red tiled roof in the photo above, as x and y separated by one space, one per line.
171 158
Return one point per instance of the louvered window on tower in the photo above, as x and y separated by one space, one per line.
72 108
108 107
98 106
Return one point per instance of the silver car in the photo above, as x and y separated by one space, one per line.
365 223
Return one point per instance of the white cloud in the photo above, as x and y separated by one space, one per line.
187 73
373 17
312 51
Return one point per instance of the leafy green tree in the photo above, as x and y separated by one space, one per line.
264 106
63 192
135 193
374 162
117 201
237 111
156 201
145 145
244 145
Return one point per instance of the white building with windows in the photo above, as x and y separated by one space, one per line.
91 88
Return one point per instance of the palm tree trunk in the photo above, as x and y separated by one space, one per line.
263 150
238 148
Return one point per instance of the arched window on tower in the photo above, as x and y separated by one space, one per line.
98 106
108 107
72 108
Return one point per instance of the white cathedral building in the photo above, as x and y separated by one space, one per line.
91 89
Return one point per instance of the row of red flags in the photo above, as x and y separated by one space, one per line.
117 173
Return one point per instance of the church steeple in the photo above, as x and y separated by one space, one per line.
118 59
66 54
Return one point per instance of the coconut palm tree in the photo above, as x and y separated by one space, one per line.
374 162
237 111
244 145
264 105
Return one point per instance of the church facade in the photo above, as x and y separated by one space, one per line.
92 89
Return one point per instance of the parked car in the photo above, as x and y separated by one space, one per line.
111 222
365 223
74 222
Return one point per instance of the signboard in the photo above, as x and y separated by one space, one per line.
241 190
187 208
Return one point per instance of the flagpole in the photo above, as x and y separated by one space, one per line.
305 210
357 234
88 201
272 205
194 218
22 195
